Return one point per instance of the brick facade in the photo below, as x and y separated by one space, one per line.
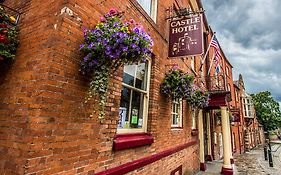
45 126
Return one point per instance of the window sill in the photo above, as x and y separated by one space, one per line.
126 141
174 128
194 132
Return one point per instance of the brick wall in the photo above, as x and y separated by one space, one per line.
45 126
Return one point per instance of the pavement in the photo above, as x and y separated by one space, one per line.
250 163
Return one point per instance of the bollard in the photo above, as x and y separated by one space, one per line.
269 146
265 152
270 158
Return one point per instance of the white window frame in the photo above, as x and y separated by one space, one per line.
179 103
236 95
153 10
145 104
227 70
228 87
247 105
193 119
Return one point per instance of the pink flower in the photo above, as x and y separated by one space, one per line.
176 67
102 19
113 11
132 21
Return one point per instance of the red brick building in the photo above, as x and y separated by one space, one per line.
251 130
46 128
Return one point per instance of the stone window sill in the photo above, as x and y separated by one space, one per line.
126 141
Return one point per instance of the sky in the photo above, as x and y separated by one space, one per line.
249 32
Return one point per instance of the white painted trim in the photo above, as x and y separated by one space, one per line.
145 105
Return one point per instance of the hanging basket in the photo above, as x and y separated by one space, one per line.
177 84
111 44
8 33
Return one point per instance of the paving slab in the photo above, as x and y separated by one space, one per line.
250 163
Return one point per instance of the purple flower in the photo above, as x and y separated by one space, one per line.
81 46
136 30
125 49
115 24
133 45
95 62
87 57
135 38
105 41
85 31
107 52
91 45
108 48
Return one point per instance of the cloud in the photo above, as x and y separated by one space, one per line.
249 33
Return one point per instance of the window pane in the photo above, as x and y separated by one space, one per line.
176 113
129 74
124 108
141 76
193 120
136 118
175 121
146 5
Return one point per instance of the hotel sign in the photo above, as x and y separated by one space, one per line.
186 37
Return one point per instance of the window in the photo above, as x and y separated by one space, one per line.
217 80
228 87
193 115
236 95
247 107
177 113
134 98
192 63
245 110
233 142
227 71
150 6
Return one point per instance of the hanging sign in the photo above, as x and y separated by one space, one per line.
186 37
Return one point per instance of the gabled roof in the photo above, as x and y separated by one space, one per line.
236 83
239 82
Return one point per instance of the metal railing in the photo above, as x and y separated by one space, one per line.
212 83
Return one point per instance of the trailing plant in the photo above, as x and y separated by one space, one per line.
199 98
111 44
8 36
177 84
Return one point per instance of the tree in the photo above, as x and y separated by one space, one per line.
267 110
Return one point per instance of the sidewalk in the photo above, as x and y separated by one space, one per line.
214 168
250 163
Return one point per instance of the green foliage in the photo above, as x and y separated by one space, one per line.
8 36
199 98
177 84
267 110
111 44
